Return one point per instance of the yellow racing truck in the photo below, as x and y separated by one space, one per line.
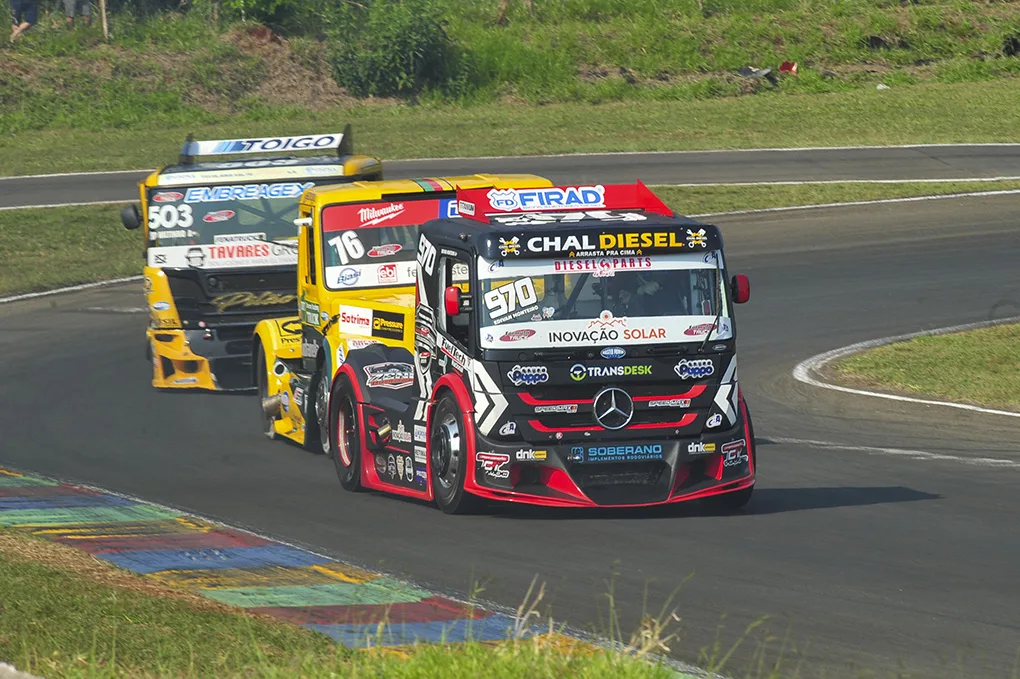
220 248
356 276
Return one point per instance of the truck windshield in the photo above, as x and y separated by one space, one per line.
224 226
371 245
621 300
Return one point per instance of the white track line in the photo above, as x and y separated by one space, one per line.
903 452
73 288
912 199
791 149
807 371
93 202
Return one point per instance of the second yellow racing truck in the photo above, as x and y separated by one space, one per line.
221 248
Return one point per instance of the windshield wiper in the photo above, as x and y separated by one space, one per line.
718 303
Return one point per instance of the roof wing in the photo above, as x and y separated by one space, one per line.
340 141
481 204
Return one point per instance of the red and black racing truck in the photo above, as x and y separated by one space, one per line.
572 346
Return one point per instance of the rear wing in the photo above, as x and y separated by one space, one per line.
341 141
483 204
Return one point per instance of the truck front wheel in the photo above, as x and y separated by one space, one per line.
449 457
317 422
346 444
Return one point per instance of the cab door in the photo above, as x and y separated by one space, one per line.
309 286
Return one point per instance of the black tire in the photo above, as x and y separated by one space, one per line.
448 458
317 418
262 383
346 443
737 500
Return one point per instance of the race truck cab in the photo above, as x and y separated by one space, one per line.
220 250
572 346
355 284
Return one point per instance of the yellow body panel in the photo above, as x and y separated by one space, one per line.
317 304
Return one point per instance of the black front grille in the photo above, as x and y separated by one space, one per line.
234 297
623 483
241 282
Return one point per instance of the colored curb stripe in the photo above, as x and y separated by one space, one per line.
354 607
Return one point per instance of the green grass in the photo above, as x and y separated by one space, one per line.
67 615
52 247
932 113
980 367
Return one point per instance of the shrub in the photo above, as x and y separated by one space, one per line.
396 48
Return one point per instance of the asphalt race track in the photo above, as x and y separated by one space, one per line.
866 557
894 163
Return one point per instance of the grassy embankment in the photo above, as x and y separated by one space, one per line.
52 247
66 614
577 76
980 367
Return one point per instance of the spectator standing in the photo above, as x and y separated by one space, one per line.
24 15
85 11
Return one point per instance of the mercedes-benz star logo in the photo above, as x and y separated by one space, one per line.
613 408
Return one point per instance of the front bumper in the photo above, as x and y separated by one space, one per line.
218 359
614 474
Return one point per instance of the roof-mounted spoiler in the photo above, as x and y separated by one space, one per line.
343 142
481 204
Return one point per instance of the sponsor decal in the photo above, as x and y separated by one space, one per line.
606 320
623 453
733 453
570 408
498 264
371 216
161 306
387 273
380 464
606 266
167 197
309 349
408 470
610 353
309 310
450 349
694 369
696 239
186 380
385 250
719 347
509 247
218 216
340 357
216 194
464 207
713 421
576 454
508 429
419 436
400 466
400 434
420 455
264 144
388 325
226 238
700 448
354 320
348 276
528 374
671 403
578 371
512 300
510 200
493 464
523 455
517 335
299 397
424 359
389 375
702 329
250 300
391 465
361 343
420 476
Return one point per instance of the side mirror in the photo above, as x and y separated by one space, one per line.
130 217
741 288
452 300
